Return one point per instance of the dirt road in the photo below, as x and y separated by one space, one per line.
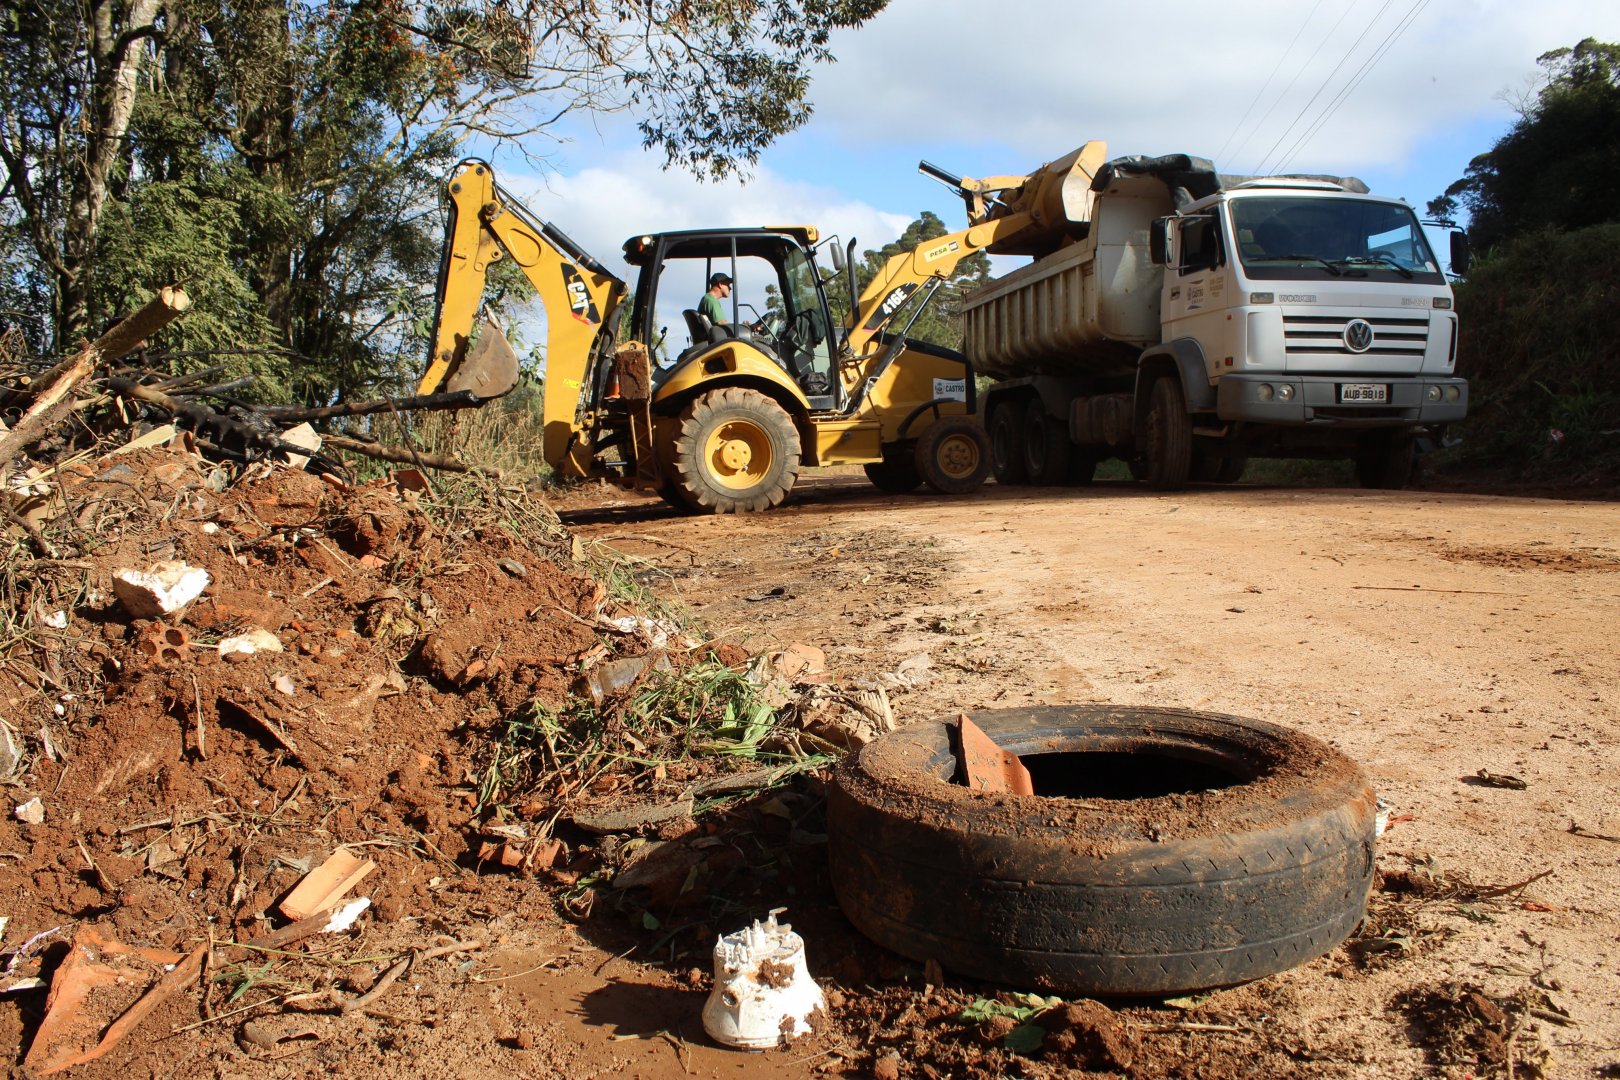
1430 636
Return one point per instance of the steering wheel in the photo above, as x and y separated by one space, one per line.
770 324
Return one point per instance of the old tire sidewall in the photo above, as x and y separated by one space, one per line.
694 475
1127 897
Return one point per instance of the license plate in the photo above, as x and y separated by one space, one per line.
1361 391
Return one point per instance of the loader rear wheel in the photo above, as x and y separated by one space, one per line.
1007 445
1163 851
735 451
1169 436
1046 446
953 455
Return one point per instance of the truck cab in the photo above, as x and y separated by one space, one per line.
1313 304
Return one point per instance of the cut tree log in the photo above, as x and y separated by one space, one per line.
54 402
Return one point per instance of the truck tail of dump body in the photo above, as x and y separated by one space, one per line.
1091 305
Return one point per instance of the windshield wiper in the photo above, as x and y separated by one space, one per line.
1317 259
1380 259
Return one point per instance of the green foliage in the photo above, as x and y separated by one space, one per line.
286 159
1540 327
1559 165
1021 1007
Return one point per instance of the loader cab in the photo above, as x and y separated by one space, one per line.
777 304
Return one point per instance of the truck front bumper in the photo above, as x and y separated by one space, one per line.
1299 400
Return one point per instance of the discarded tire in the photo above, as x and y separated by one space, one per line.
1164 850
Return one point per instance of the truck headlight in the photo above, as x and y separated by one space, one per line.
1285 392
1433 393
1453 393
1265 392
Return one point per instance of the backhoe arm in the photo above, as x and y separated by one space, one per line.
904 273
580 295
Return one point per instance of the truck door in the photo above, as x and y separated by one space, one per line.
1195 301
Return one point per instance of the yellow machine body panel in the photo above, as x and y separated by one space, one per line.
579 295
730 362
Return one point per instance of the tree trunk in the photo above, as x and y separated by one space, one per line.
117 48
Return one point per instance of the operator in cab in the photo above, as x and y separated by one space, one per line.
710 307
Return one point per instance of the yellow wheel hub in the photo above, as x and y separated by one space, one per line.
738 453
958 456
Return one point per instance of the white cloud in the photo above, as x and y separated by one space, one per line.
1043 76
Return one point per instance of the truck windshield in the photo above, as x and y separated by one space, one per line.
1302 236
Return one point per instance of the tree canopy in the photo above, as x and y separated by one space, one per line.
1559 164
284 157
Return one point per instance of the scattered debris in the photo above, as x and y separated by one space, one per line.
256 640
31 812
161 590
1501 780
763 994
984 766
325 887
89 989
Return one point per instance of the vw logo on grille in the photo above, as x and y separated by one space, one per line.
1358 335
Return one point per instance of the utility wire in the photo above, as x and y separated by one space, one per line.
1354 45
1220 154
1279 98
1332 108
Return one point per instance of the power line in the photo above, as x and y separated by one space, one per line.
1219 154
1354 45
1332 108
1278 100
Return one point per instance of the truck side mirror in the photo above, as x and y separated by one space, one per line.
1159 245
1461 257
837 256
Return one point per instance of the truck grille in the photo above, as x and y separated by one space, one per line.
1318 334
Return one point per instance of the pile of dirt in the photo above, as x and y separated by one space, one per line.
172 790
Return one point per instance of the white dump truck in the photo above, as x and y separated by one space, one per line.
1186 321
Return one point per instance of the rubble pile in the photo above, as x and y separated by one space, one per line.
239 700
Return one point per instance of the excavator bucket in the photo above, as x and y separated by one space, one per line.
490 368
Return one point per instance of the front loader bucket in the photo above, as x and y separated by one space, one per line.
490 368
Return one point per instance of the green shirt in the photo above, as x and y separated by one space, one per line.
710 307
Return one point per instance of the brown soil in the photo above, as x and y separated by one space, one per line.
1427 636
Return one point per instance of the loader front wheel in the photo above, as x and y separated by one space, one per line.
735 451
1169 436
953 456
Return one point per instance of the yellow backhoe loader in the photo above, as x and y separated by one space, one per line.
724 421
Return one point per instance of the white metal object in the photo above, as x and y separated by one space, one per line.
763 993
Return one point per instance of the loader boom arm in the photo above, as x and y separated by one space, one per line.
904 273
580 295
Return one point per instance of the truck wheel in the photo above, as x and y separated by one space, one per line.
1046 446
896 473
1007 445
735 451
1230 470
953 456
1385 460
1164 851
1217 470
1169 436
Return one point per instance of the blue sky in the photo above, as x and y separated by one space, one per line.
985 89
